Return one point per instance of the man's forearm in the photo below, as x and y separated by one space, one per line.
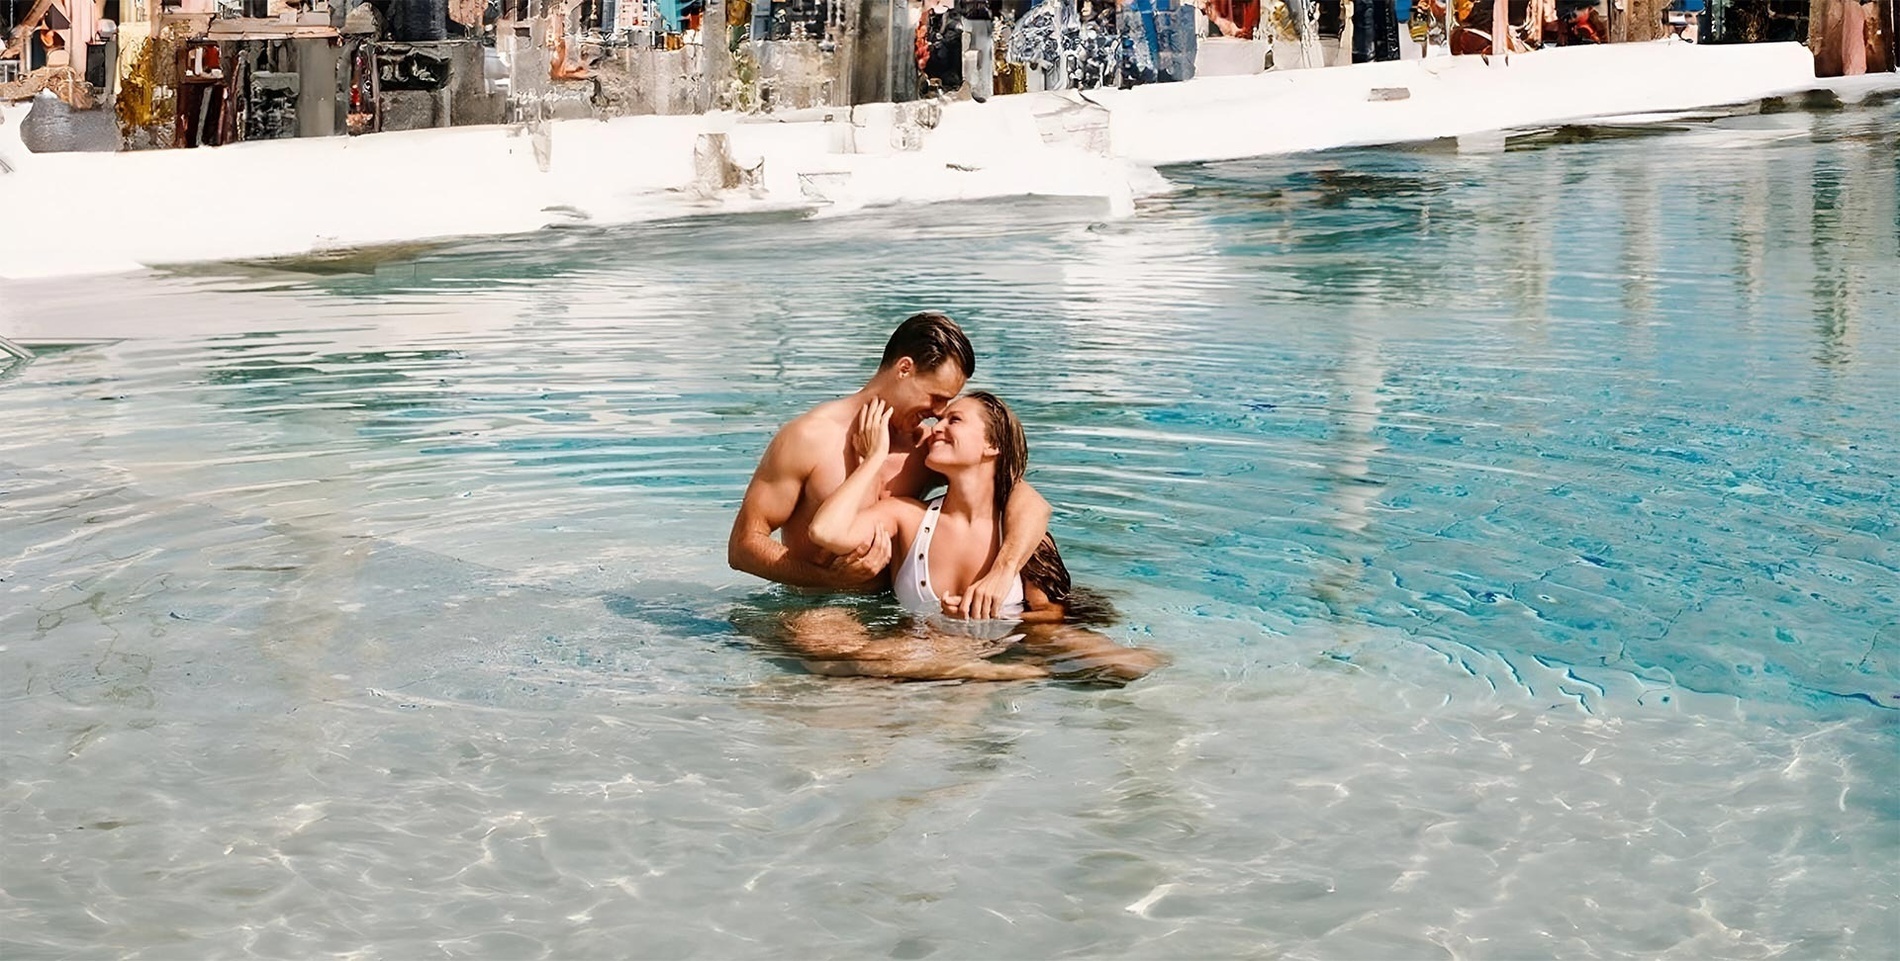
767 558
1025 521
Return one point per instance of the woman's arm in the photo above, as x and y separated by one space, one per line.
840 526
769 500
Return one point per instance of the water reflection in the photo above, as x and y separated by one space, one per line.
1750 239
1354 483
1638 202
255 377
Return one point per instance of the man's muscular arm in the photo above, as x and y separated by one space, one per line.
1025 521
769 501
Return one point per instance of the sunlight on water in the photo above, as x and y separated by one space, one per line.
1521 526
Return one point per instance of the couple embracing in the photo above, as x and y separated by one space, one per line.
843 485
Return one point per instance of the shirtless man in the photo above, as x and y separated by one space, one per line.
924 367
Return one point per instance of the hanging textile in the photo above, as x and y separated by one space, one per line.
1036 42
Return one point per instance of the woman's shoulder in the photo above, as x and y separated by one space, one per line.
906 512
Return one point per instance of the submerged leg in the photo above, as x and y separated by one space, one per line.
826 633
1069 651
833 642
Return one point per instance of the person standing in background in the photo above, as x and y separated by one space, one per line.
1375 31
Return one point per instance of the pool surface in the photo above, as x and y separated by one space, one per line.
1522 527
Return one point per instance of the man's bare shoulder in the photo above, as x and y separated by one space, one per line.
816 431
830 420
840 413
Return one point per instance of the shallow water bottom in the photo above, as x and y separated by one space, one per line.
394 753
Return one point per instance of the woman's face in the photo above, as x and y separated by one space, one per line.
960 438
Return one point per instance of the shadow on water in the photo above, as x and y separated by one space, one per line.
819 634
347 260
677 618
12 367
1324 188
1573 134
367 380
575 254
754 622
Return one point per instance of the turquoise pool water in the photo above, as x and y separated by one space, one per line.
1522 527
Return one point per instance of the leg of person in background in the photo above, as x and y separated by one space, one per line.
1363 32
1187 33
1386 46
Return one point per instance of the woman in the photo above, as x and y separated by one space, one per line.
942 547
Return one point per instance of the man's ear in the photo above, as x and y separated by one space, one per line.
906 366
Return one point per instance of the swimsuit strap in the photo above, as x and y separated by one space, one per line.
922 550
911 582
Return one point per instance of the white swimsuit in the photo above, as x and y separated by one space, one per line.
912 584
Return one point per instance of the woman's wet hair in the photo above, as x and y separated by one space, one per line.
929 339
1004 432
1044 568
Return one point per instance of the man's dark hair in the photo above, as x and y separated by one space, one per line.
929 339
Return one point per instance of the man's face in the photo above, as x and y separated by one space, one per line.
923 394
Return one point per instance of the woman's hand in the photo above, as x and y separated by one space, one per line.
984 599
872 439
849 523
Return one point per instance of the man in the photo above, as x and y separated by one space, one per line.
924 367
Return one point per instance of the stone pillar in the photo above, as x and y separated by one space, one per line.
869 39
902 38
715 56
1645 20
319 63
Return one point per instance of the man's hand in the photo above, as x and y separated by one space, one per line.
984 600
867 562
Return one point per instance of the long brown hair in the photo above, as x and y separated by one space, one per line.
1004 432
1044 568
